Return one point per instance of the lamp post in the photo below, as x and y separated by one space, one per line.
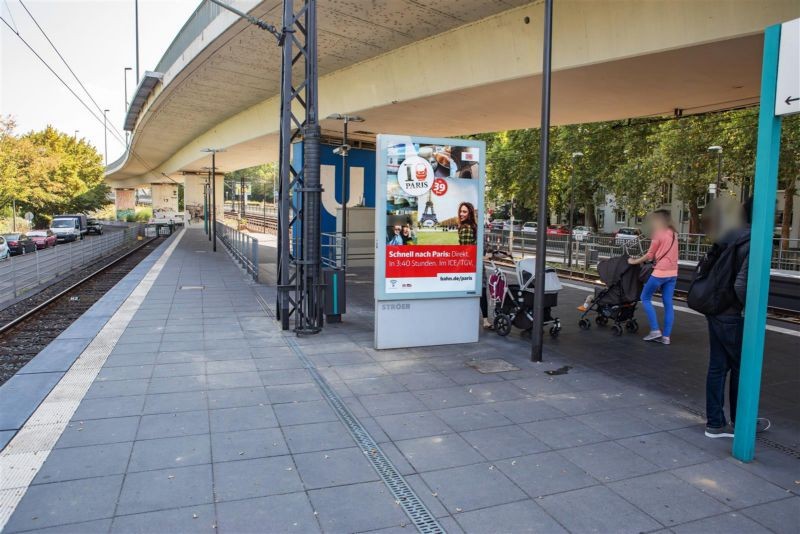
75 135
105 134
575 156
343 150
213 233
136 31
125 109
718 150
544 169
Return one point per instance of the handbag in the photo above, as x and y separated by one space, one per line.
646 268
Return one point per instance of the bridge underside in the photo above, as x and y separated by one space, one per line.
612 60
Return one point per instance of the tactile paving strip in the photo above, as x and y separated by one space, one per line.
26 453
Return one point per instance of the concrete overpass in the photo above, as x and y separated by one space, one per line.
440 68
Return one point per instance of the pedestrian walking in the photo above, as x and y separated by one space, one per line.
662 257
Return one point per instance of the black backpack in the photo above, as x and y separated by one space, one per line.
711 292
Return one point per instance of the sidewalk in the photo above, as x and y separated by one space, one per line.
206 417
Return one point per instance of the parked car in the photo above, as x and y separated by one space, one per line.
557 230
496 225
69 227
4 251
93 226
19 244
529 227
43 238
508 226
579 233
626 234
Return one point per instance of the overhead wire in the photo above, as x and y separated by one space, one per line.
58 53
44 62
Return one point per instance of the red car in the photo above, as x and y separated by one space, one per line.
558 230
43 238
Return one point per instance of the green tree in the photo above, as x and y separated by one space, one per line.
49 172
262 180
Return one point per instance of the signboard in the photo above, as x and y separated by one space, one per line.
787 94
428 240
428 217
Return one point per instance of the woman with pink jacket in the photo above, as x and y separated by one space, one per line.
663 253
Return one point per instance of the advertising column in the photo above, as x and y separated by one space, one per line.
429 236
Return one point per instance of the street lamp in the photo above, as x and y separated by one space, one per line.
575 156
213 152
105 134
718 150
342 150
75 135
125 75
206 186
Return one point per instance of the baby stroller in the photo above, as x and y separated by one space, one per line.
513 303
617 300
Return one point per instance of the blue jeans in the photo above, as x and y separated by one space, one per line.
667 286
725 354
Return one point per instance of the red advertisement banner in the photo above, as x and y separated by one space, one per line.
424 261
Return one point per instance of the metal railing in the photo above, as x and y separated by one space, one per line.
19 275
333 253
243 247
588 250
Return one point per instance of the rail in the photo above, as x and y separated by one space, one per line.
19 275
588 250
242 247
258 220
333 251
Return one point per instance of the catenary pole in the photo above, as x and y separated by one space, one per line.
544 167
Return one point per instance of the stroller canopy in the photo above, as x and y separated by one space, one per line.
617 271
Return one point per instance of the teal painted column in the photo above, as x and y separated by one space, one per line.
755 313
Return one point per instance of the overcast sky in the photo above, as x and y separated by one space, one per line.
97 40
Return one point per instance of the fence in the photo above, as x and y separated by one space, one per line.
19 275
243 247
588 250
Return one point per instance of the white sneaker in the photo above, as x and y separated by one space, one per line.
653 335
665 340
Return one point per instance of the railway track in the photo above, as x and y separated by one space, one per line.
37 322
257 222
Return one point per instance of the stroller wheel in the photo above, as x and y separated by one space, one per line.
632 326
584 324
502 324
554 330
616 330
601 320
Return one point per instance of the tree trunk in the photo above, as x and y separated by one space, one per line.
788 208
590 216
694 218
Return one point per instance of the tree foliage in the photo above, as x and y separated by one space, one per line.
49 172
262 180
636 161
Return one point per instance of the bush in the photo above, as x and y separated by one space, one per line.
144 215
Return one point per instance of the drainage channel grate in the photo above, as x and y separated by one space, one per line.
760 439
419 514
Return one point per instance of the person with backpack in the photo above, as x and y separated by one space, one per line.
718 291
663 254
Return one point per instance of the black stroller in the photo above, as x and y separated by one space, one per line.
513 303
617 300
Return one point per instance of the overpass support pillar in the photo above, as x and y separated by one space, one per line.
195 203
165 197
124 203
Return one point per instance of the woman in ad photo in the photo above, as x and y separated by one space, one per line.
467 225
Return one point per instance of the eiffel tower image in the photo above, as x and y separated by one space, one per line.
428 214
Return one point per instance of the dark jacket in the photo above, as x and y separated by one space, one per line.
741 239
